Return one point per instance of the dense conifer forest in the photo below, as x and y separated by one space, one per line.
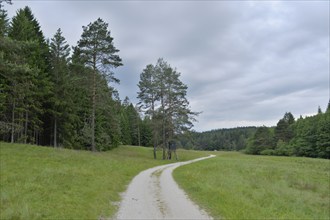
53 94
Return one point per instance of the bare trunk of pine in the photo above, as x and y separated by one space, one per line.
164 138
34 136
153 125
163 127
139 135
26 126
55 132
21 116
93 109
12 123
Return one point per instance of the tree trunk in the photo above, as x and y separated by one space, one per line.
55 132
139 137
164 141
26 126
153 126
12 123
20 134
93 109
164 137
155 152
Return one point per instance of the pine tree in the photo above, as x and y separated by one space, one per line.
160 86
148 98
98 52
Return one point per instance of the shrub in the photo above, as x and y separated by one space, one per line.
268 152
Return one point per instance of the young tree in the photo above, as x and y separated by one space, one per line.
98 52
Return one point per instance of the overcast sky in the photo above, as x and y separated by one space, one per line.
245 63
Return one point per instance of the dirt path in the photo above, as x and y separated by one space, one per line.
153 194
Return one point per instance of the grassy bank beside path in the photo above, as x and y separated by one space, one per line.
238 186
42 182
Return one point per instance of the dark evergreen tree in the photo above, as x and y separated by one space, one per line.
59 58
323 137
283 129
261 141
30 90
4 22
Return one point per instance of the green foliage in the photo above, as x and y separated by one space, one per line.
283 129
262 140
4 24
312 136
308 137
239 186
283 149
97 51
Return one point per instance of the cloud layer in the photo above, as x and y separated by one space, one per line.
245 63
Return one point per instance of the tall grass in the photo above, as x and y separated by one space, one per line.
237 186
41 182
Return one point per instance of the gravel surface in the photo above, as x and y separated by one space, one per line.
153 194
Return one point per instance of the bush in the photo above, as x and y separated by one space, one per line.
268 152
283 149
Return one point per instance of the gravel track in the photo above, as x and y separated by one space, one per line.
153 194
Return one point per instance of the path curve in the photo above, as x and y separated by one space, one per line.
153 194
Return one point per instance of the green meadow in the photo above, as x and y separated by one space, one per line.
239 186
42 182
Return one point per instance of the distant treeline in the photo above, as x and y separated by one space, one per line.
220 139
307 137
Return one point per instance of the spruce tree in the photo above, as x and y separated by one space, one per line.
59 58
30 84
4 22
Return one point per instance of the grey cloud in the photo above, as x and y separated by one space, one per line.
245 63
